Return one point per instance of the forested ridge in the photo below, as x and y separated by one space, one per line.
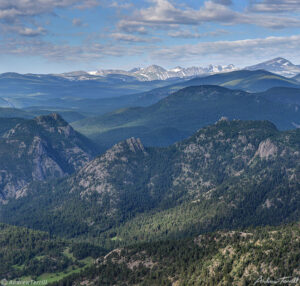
238 257
228 175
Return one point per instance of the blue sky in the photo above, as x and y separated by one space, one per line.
53 36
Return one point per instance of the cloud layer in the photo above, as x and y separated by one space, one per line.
149 30
19 15
233 50
12 9
163 13
275 6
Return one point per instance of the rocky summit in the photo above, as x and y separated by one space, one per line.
38 149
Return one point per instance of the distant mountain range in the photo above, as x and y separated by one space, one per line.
19 90
183 112
248 95
250 81
48 91
278 65
155 72
76 99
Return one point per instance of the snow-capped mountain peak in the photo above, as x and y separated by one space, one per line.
278 65
153 69
279 61
156 72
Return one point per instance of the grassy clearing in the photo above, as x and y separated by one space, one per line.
47 278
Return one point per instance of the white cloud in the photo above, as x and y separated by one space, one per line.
87 4
16 14
10 10
122 5
187 34
132 38
132 27
232 50
29 32
162 14
64 53
243 52
275 6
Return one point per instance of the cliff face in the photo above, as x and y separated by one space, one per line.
112 175
38 149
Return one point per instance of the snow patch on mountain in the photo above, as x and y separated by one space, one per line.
279 66
155 72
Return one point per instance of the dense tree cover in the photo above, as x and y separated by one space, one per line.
219 258
83 250
25 252
192 218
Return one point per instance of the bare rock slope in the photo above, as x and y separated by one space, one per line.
38 149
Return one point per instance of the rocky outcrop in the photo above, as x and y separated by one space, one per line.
39 149
267 149
100 176
43 165
135 145
137 259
